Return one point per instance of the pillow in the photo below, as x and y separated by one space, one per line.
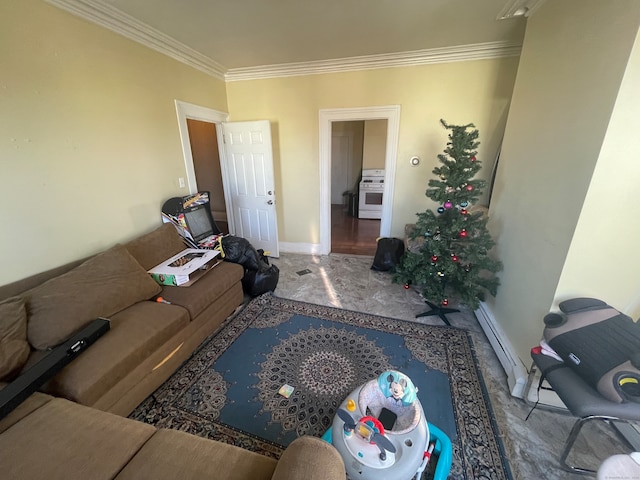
155 247
101 286
14 348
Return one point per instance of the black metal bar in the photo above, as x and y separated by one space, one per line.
573 435
34 377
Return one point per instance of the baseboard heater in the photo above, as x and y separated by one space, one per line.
516 373
34 377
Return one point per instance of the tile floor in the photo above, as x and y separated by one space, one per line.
532 446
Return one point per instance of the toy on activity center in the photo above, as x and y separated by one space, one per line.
381 432
600 344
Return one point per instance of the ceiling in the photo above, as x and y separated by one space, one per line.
250 33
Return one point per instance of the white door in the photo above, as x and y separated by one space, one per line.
340 167
247 165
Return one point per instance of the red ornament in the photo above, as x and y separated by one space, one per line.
463 233
434 258
464 211
469 188
454 258
473 159
445 302
406 286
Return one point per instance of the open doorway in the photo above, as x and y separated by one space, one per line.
391 117
247 149
202 156
205 151
357 148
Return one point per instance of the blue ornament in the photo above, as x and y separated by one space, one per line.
440 209
464 204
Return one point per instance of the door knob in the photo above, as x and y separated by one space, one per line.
269 192
270 202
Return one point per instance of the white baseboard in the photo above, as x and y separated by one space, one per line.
306 248
511 363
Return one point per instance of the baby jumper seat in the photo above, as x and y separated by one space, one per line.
381 432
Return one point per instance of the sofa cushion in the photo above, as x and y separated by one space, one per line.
206 290
14 348
135 334
18 287
172 454
157 246
101 286
27 406
63 440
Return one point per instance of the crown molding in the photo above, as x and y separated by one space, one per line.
478 51
119 22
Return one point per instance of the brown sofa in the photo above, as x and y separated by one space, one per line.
147 340
52 438
75 428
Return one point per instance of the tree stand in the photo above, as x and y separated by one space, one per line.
437 310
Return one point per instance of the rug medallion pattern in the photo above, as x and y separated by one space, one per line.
228 390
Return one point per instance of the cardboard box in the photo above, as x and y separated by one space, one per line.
184 268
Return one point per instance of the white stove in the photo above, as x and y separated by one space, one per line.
370 194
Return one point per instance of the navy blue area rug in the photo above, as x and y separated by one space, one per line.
229 389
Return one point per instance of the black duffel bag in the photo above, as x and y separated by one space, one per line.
259 277
388 254
263 280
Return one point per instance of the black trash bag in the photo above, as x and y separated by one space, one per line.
262 280
239 250
388 254
263 257
259 277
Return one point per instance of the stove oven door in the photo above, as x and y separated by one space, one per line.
370 201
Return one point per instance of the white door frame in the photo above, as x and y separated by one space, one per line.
392 114
186 110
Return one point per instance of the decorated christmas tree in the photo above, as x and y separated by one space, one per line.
453 261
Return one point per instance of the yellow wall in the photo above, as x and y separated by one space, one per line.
463 92
89 144
573 60
603 260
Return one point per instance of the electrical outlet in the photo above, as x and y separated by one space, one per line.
181 182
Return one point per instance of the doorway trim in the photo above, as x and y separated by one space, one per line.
326 116
186 111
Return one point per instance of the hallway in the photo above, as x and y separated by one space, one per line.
352 235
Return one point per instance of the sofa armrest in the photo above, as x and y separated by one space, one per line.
310 458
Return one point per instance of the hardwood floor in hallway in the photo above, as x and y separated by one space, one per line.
353 235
